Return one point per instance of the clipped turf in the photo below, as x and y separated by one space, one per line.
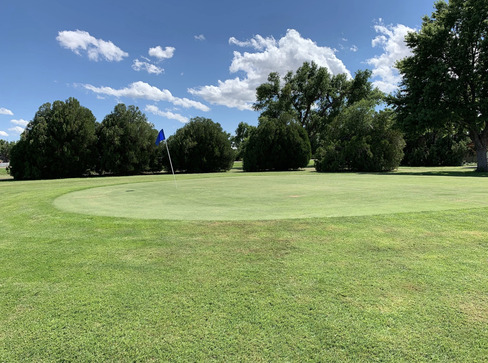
279 196
396 287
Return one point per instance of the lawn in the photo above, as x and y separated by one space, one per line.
385 284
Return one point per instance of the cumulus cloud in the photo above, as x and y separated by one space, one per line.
80 42
167 114
4 111
270 55
161 53
150 68
17 129
3 133
20 122
391 39
199 37
148 92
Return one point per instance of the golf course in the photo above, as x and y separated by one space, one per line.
258 267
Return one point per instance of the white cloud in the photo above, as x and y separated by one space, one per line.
199 37
17 129
148 92
20 122
283 55
81 41
4 111
161 53
3 133
353 49
167 114
391 39
138 65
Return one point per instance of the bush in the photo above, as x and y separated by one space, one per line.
436 149
126 143
361 139
201 146
58 143
277 144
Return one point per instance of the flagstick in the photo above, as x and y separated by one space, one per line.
170 163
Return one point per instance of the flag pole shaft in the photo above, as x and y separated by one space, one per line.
171 163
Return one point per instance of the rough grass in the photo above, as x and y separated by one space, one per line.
393 287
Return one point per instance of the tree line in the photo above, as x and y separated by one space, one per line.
437 117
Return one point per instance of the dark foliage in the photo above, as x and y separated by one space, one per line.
126 143
277 144
201 146
58 143
361 139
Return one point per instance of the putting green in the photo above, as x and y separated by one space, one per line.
278 196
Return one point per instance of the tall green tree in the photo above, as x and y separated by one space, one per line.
277 144
445 81
312 96
361 139
201 146
126 143
58 143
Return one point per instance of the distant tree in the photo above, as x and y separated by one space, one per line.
241 135
277 144
5 148
201 146
58 143
313 96
126 143
361 139
445 81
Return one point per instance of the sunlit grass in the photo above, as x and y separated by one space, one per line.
392 287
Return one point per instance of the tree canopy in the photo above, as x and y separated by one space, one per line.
126 143
238 141
58 143
5 149
313 96
361 139
277 144
445 81
200 146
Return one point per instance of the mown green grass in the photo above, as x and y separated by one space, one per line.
262 196
391 287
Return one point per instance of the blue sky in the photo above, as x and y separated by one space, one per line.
180 59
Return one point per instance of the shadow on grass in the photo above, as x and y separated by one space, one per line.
464 171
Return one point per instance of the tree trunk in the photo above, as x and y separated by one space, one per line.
480 143
482 162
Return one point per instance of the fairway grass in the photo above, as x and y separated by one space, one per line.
409 286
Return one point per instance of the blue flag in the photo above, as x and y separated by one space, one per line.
160 137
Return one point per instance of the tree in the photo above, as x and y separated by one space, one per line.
126 143
5 149
361 139
201 146
445 81
313 96
436 147
277 144
58 143
242 134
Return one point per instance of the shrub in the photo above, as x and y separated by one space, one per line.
361 139
126 143
201 146
277 144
